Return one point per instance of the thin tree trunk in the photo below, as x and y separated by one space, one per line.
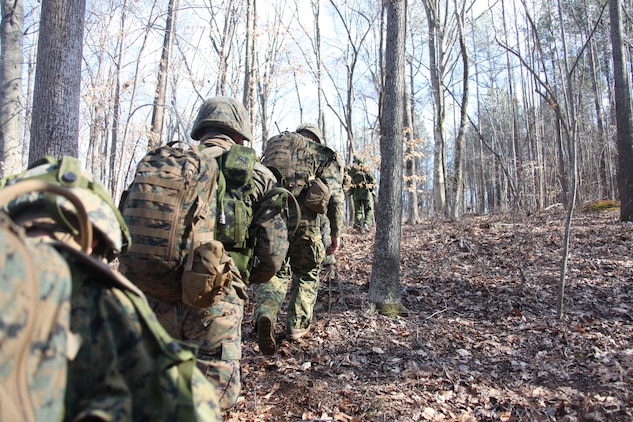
571 136
461 135
11 65
160 98
114 169
316 12
412 176
248 98
435 63
384 288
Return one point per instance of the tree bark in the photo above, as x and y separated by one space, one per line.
411 155
460 140
384 288
436 75
623 113
55 121
160 98
11 64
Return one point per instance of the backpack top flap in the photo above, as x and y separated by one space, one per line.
289 155
170 209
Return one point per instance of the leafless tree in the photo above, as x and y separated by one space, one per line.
623 112
160 98
11 102
384 288
55 124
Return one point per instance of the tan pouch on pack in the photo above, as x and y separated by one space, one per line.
206 272
318 195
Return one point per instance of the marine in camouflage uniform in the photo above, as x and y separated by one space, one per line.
305 255
113 351
222 122
362 188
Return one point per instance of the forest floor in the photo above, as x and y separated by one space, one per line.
482 341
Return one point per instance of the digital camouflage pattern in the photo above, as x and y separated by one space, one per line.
68 172
363 184
306 252
297 159
216 332
292 157
332 173
128 367
326 238
170 205
250 222
122 365
223 113
301 270
34 323
313 129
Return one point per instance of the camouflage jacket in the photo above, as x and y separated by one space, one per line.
114 374
363 182
331 170
268 225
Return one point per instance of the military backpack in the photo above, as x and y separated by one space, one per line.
235 212
295 161
35 313
170 209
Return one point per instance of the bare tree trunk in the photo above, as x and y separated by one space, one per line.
248 98
572 138
461 135
435 69
623 113
55 125
384 288
11 64
316 12
514 142
222 46
412 176
160 98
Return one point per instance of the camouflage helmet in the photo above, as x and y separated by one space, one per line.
313 129
102 212
224 113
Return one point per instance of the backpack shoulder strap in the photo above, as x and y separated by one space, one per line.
11 192
281 203
173 353
100 267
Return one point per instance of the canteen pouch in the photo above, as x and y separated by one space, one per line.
207 271
318 195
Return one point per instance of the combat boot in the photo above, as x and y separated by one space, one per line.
266 335
296 333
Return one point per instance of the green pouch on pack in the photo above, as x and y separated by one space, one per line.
239 163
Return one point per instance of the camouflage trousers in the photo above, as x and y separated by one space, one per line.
363 212
301 270
326 237
217 333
